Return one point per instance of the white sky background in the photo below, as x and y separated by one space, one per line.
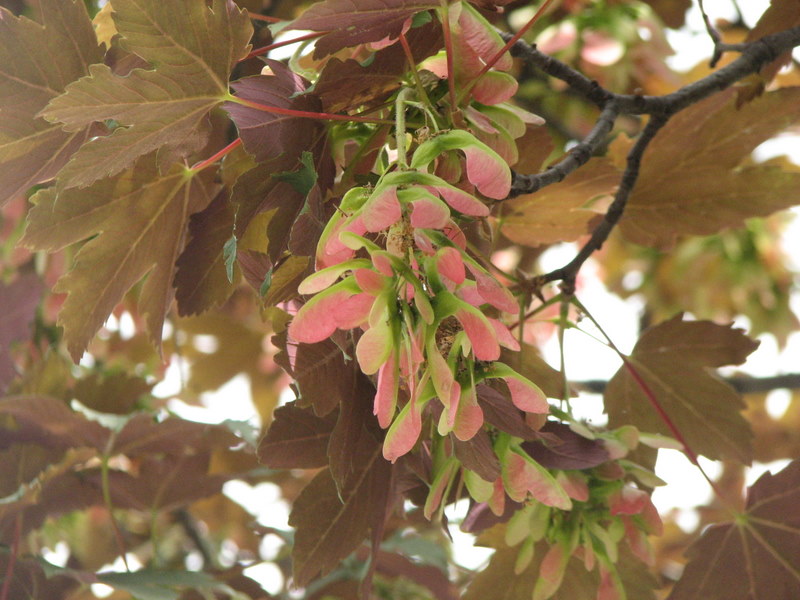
586 358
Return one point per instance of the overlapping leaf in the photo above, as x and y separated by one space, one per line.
756 557
297 439
192 49
351 22
674 359
330 527
561 212
695 177
19 300
141 216
37 61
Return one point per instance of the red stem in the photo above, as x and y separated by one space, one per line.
215 157
448 46
676 433
306 114
651 397
302 38
514 39
258 17
12 559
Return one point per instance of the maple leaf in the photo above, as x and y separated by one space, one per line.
37 61
345 85
296 439
695 178
192 50
200 280
352 22
330 526
19 299
755 557
142 217
561 212
673 359
268 135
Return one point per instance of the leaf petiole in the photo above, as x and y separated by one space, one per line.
304 114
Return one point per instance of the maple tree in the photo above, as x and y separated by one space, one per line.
360 228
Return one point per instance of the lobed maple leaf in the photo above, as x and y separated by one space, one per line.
191 48
353 22
673 359
329 524
561 212
37 61
141 216
755 557
695 177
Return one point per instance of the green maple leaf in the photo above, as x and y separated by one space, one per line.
192 50
674 359
141 216
756 557
696 178
37 61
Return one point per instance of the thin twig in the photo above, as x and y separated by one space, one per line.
578 156
569 272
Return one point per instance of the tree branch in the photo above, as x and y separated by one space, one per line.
741 383
661 108
577 156
569 272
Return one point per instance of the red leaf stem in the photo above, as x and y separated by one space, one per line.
651 397
302 38
307 114
448 45
216 156
268 19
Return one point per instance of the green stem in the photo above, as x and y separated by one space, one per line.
400 127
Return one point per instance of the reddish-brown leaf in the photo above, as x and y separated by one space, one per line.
674 359
561 212
49 423
268 135
201 281
565 449
37 61
695 177
19 300
351 22
329 526
323 376
296 439
141 217
344 85
477 454
756 557
192 48
143 436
